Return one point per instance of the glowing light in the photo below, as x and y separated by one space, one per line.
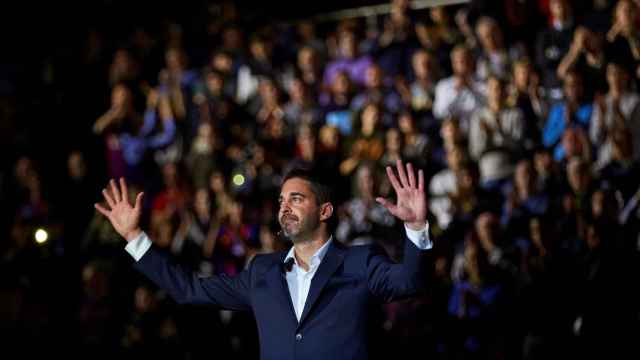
238 179
41 236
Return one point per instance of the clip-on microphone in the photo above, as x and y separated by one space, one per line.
287 265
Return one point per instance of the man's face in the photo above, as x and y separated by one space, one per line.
461 62
340 84
521 75
625 13
374 76
488 35
420 63
347 44
450 131
559 9
578 177
299 213
120 96
306 58
573 87
214 83
173 59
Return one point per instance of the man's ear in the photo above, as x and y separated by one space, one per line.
326 210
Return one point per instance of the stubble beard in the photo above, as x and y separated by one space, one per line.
299 229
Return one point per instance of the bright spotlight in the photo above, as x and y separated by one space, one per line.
41 236
238 179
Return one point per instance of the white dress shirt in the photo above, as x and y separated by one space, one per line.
298 280
506 130
601 124
460 103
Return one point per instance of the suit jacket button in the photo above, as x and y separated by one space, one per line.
298 337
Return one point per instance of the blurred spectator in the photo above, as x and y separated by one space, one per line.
123 68
470 199
526 94
416 145
548 172
259 65
397 40
461 94
622 171
422 89
439 35
202 159
623 36
178 82
393 145
376 91
336 103
475 298
576 205
494 57
497 126
552 43
349 60
574 111
81 182
587 56
362 219
309 42
301 108
618 109
110 124
444 183
224 64
524 202
139 141
367 142
171 202
309 69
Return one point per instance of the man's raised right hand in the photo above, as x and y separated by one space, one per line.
124 218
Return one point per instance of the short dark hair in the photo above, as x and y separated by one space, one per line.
319 187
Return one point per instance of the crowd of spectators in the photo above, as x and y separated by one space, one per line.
525 116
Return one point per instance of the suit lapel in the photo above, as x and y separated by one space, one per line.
278 283
332 260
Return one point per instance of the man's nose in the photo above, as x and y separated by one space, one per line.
284 207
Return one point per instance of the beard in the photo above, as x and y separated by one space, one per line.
298 229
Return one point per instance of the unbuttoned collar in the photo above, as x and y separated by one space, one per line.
316 258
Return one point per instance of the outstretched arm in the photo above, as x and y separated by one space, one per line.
181 283
389 281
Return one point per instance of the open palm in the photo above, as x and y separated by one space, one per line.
411 204
124 218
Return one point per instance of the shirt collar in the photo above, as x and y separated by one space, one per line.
315 258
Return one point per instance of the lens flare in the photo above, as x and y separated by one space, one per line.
238 180
41 236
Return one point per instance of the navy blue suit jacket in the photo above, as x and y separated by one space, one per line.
333 324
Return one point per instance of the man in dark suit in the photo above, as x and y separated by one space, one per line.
309 303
